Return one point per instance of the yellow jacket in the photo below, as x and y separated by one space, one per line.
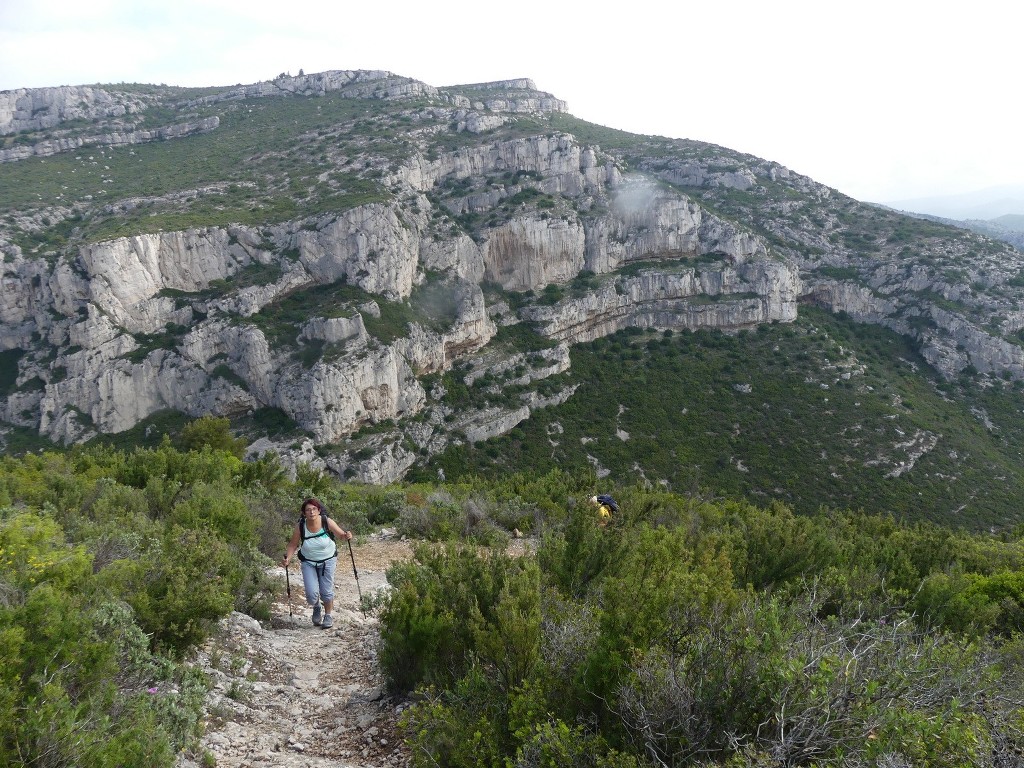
604 512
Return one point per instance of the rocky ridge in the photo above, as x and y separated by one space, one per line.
956 294
192 321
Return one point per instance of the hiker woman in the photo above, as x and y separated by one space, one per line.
314 537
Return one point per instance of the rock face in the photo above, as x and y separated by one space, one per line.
764 291
345 320
102 306
33 109
527 254
356 84
120 139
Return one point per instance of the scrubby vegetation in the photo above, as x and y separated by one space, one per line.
254 170
694 633
114 565
689 632
824 411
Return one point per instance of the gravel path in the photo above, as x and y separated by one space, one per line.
294 695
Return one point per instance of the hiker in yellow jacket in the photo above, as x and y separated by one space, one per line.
605 505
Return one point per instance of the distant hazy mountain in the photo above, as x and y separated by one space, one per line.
1009 229
988 203
1011 221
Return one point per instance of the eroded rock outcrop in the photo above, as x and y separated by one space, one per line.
199 321
33 109
118 139
732 297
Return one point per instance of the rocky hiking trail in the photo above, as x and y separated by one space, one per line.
289 694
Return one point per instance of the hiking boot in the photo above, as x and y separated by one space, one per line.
316 615
328 622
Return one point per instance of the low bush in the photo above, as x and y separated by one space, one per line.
697 633
78 682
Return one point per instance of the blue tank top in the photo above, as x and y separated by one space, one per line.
318 546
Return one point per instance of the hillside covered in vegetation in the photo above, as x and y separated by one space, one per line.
824 412
689 631
380 279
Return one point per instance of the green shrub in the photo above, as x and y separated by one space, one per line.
180 594
216 507
451 604
74 673
385 506
213 433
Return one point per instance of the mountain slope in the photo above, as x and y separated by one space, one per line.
823 412
376 276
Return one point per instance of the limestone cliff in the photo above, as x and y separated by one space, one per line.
424 228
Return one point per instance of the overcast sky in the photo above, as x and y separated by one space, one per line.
883 100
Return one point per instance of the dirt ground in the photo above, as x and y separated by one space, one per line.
291 694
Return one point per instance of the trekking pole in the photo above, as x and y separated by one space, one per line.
288 581
356 574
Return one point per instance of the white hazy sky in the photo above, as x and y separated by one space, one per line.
882 99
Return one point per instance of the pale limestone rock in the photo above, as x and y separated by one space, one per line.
33 109
336 330
355 84
333 399
126 275
290 455
535 401
527 253
554 361
428 351
21 408
857 301
109 344
459 255
371 246
387 466
474 122
95 331
125 393
558 159
963 343
481 425
655 299
251 299
24 299
650 223
67 144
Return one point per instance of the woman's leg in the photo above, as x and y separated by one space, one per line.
311 583
327 585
